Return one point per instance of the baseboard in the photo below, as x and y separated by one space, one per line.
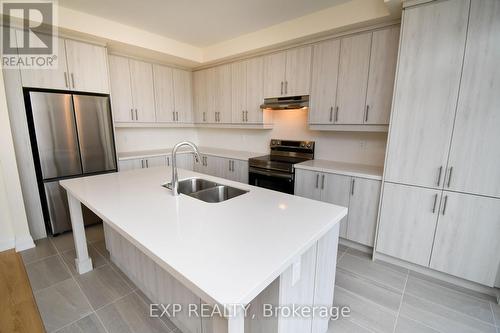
7 244
356 246
24 243
438 275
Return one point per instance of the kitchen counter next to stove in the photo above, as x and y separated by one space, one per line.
343 168
226 153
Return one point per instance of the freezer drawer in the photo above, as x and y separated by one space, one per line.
95 133
57 206
56 135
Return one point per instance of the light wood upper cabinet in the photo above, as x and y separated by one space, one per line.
81 67
325 66
474 154
363 210
383 58
200 96
164 94
287 73
408 217
239 91
247 90
121 90
466 242
353 75
298 71
430 62
274 74
47 78
141 74
218 87
87 67
183 95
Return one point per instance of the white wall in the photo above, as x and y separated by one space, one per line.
13 224
133 139
356 147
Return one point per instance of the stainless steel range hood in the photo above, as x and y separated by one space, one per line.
286 103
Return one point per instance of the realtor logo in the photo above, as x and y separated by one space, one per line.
28 34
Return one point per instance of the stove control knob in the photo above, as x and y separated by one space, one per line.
302 144
308 145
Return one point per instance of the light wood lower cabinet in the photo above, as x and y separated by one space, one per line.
466 242
232 169
360 195
408 220
142 163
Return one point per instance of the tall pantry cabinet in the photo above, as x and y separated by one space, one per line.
441 194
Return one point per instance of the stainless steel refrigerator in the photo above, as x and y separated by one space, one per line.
71 136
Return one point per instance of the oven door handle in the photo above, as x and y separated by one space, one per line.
270 173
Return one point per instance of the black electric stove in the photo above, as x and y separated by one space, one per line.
275 171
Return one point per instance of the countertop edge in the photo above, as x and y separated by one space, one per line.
334 170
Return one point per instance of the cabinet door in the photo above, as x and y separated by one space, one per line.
298 71
307 184
408 220
215 166
240 171
183 95
47 78
141 74
238 91
466 243
274 74
383 58
335 190
164 94
88 67
223 93
184 161
125 165
200 96
121 91
157 161
430 62
474 154
353 76
363 210
325 67
212 89
255 90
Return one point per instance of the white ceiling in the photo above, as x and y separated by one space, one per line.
200 22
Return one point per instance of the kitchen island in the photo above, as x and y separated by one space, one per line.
262 247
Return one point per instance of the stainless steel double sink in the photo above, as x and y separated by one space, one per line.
206 190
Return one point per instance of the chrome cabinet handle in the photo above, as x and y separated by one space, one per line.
281 87
317 180
322 182
449 177
132 114
136 117
142 164
440 171
366 112
73 80
147 163
434 204
286 87
243 116
168 161
445 204
246 116
66 79
177 115
204 117
173 115
331 113
353 181
336 113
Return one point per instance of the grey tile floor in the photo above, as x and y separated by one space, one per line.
383 298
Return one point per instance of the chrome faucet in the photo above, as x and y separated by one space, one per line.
175 178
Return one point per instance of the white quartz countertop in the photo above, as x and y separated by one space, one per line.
343 168
225 252
227 153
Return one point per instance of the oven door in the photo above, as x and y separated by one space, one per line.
271 179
